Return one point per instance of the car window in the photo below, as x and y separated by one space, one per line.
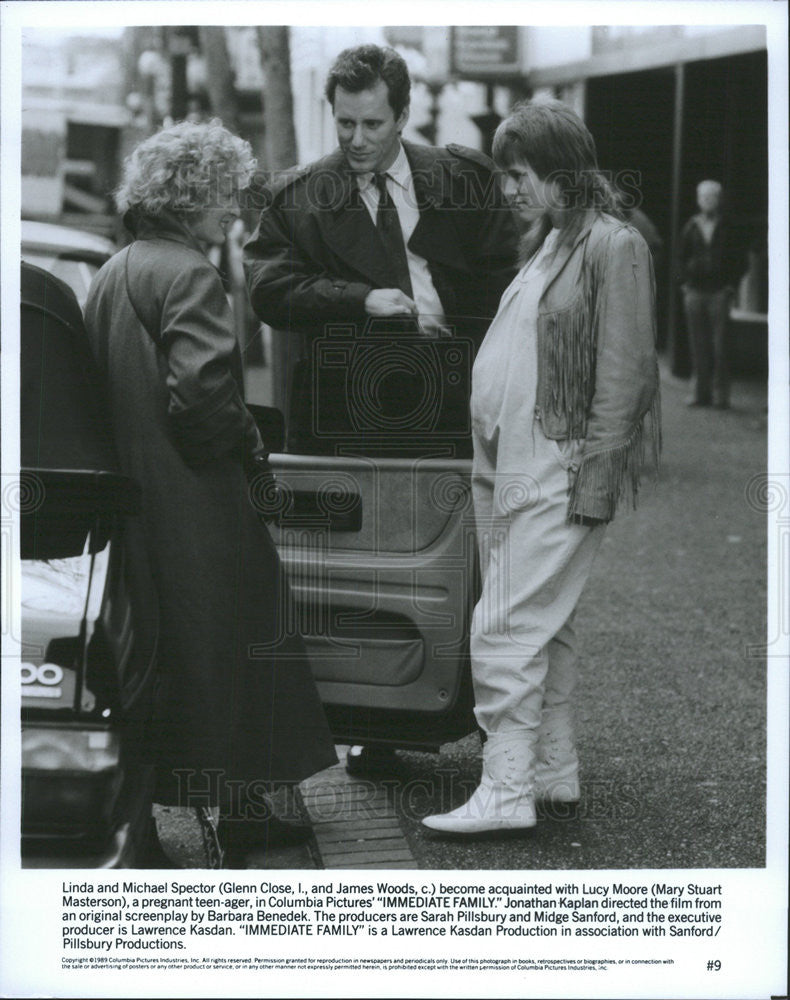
57 595
78 274
384 394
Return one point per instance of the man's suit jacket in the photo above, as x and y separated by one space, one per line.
316 253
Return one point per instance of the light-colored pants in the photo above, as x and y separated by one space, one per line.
706 322
534 567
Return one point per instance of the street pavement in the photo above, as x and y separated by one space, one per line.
671 703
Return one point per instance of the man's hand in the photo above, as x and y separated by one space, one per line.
389 302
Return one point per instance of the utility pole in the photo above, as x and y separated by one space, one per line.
179 44
279 151
678 345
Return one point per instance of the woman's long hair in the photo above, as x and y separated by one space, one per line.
554 141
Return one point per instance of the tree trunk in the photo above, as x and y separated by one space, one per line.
219 77
279 152
279 139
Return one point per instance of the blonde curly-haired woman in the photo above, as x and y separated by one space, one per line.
236 711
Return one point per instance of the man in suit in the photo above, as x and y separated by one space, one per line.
326 250
380 231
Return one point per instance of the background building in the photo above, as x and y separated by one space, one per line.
668 106
677 104
73 116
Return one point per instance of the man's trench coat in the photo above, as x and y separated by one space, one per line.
316 254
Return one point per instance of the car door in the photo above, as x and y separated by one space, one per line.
378 536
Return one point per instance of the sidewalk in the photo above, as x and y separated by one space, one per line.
749 396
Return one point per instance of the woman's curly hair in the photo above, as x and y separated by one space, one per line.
181 167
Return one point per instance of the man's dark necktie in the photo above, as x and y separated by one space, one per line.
388 226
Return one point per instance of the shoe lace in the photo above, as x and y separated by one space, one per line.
208 831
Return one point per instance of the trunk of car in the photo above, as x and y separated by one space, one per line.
84 666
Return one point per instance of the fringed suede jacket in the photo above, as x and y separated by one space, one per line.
597 364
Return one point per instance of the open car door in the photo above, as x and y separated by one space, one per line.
377 535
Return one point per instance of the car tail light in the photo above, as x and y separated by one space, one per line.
70 781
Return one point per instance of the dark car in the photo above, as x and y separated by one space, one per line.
88 640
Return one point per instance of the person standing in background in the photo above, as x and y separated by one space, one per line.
709 273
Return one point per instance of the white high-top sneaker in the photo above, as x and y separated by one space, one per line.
504 799
557 764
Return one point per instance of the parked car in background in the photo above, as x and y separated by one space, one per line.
70 254
88 637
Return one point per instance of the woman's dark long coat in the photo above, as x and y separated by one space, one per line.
237 697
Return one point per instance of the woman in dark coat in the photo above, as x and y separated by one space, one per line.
237 710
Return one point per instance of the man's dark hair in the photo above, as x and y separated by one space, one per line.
361 67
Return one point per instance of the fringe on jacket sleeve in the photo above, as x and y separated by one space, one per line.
607 477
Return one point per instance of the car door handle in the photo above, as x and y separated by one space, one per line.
338 509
